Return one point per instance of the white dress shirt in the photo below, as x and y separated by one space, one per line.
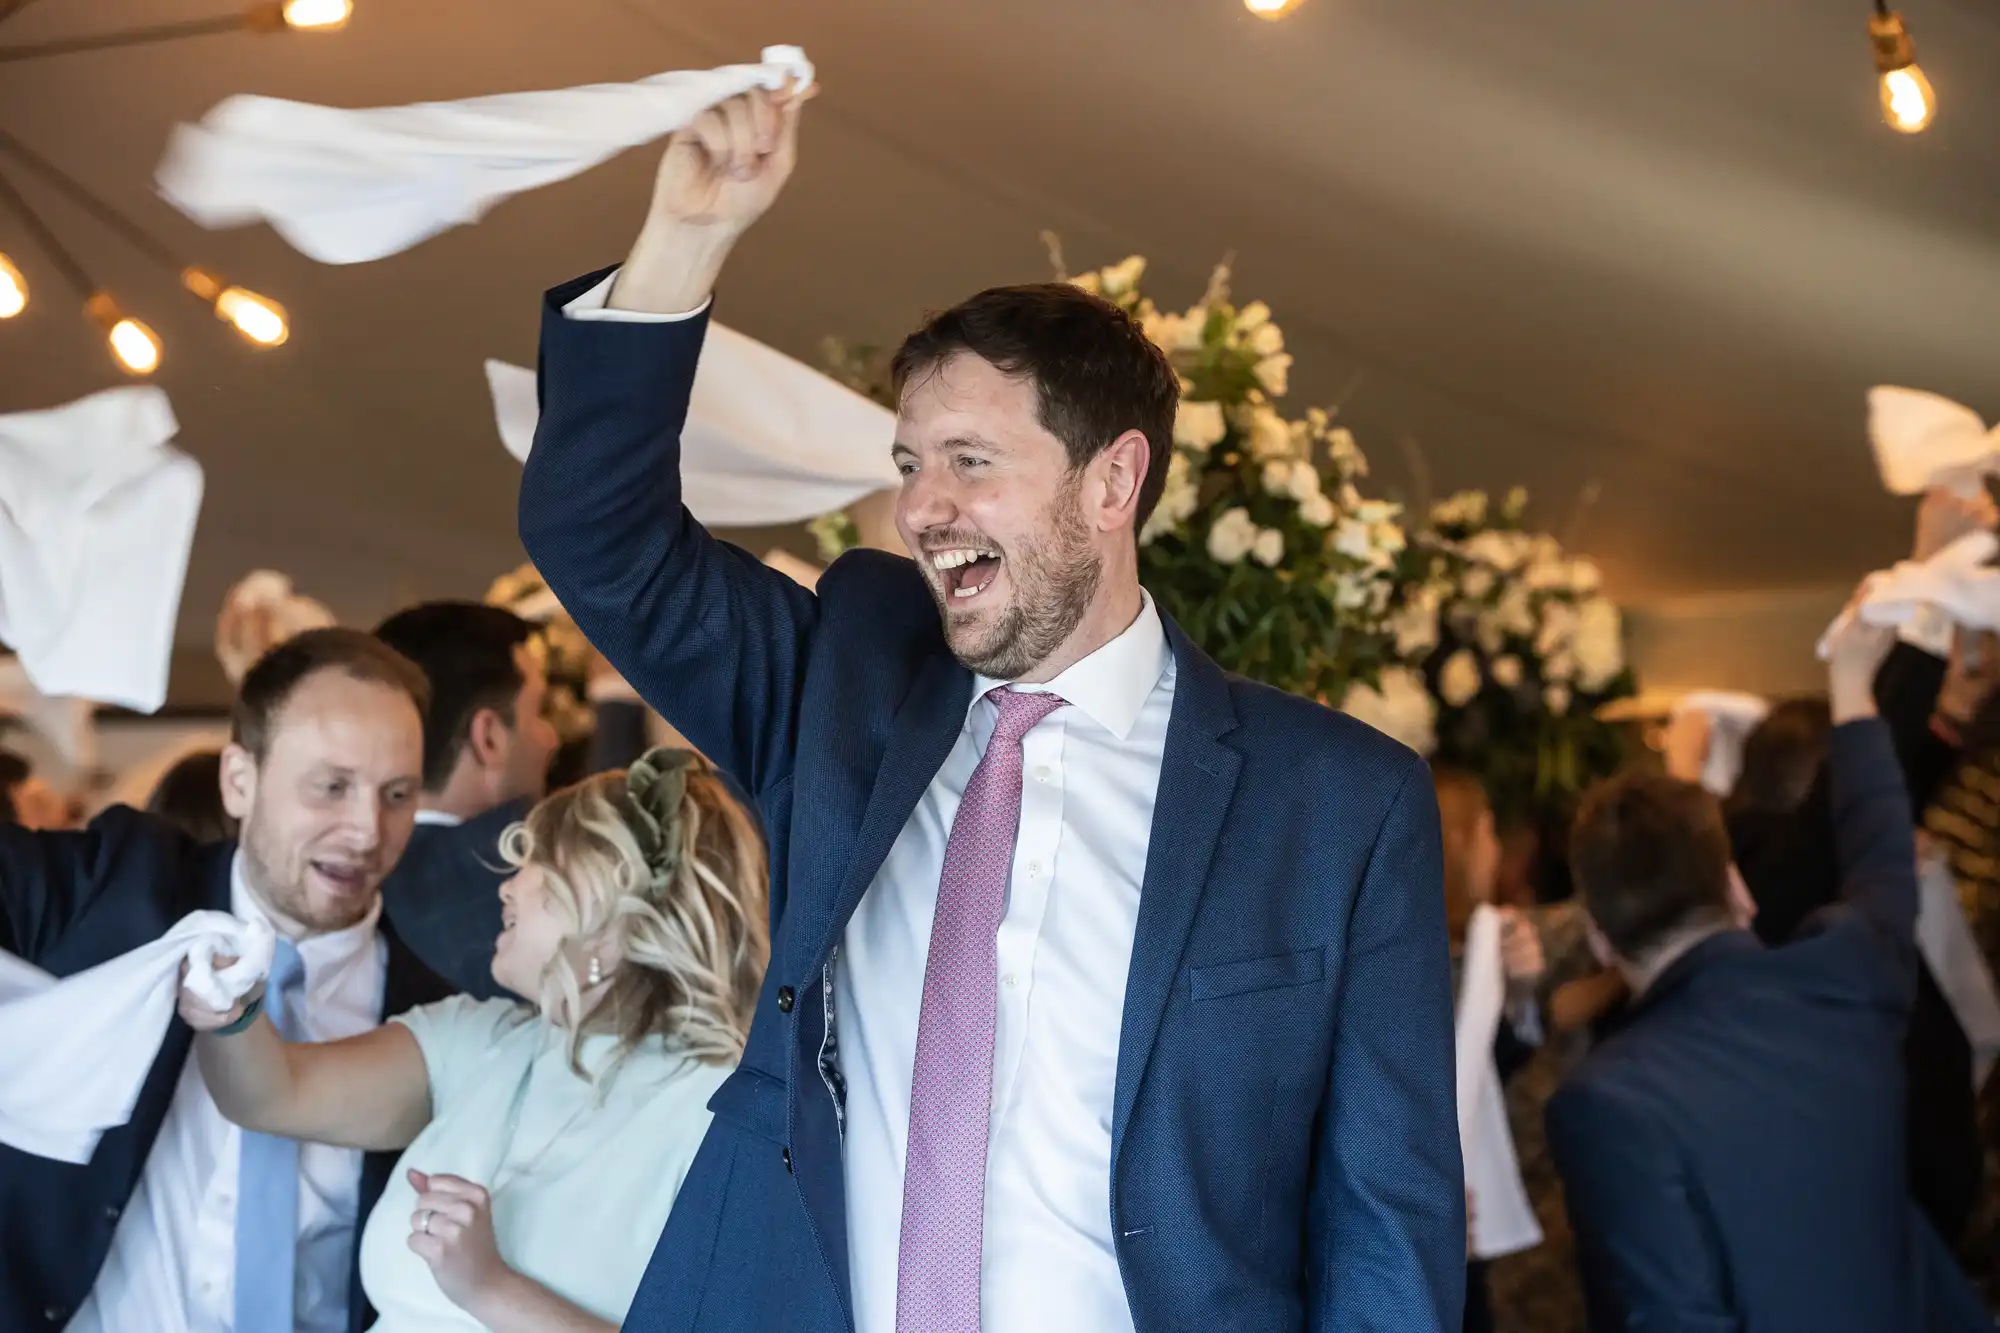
172 1265
438 819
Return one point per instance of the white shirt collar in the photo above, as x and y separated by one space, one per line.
317 952
1112 684
439 818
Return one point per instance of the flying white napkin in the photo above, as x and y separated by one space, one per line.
1945 939
768 440
96 519
1960 582
346 186
1503 1220
53 1103
1731 719
1922 440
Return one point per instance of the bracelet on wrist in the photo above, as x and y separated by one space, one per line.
243 1020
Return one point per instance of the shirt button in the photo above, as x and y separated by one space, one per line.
786 999
1034 869
1007 980
112 1212
1041 772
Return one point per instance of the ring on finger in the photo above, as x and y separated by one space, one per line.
424 1221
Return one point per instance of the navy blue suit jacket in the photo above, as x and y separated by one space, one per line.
1284 1141
1734 1156
69 901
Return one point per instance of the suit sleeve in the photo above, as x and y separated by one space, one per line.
444 902
1386 1217
707 634
1650 1259
1875 842
51 882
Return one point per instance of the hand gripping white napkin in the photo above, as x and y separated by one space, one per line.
346 186
74 1053
768 440
1945 939
1503 1220
1731 719
97 517
1960 582
1922 440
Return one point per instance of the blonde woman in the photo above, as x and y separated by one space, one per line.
543 1145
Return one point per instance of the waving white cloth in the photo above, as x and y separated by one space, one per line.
768 440
1960 582
345 187
74 1053
1731 719
1503 1220
1945 939
1922 440
96 520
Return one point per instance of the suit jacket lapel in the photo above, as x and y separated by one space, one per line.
1197 781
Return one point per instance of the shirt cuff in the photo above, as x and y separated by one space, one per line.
591 307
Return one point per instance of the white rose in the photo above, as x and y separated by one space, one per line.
1558 628
1177 500
1559 666
1354 590
1389 537
1400 707
1266 340
1123 277
1599 645
1274 373
1269 548
1557 697
1199 426
1088 282
1277 477
1377 511
1349 497
1253 317
1303 483
1583 576
1161 329
1317 510
1459 681
1193 324
1505 551
1516 612
1548 575
1270 437
1353 539
1478 582
1231 536
1507 671
1416 625
1345 452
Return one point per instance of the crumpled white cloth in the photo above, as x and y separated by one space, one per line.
1960 582
97 517
1731 718
768 440
347 186
74 1053
1503 1220
1923 440
1957 963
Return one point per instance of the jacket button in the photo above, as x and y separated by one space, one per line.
56 1314
112 1212
786 1153
786 999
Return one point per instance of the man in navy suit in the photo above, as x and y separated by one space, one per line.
1107 991
1734 1155
179 1222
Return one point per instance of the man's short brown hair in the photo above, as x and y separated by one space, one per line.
270 684
1651 857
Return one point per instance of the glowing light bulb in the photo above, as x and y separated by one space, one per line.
136 347
1271 9
1908 103
13 289
257 318
317 15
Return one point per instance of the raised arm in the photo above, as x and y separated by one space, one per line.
707 634
1385 1233
369 1092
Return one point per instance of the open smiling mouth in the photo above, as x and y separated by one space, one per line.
344 877
965 572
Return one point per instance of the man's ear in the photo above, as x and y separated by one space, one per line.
238 775
489 737
1123 468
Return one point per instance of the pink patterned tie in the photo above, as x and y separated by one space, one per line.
951 1090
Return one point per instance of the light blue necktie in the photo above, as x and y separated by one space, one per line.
267 1184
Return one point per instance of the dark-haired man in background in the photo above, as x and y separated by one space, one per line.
180 1222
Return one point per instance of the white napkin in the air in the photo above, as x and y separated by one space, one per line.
1503 1220
1923 440
97 516
1960 582
347 186
768 440
1731 719
74 1053
1945 939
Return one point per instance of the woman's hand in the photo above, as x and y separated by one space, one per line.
452 1231
195 1012
1521 949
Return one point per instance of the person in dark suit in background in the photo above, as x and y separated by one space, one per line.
179 1222
1733 1156
1107 991
189 796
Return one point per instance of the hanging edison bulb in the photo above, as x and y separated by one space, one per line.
1271 9
1908 103
317 15
13 289
258 318
136 347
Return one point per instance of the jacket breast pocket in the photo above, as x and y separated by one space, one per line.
1278 971
753 1101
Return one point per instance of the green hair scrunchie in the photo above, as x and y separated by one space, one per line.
654 789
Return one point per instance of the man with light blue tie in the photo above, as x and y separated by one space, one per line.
1107 991
181 1223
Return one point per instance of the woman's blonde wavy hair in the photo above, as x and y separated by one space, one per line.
661 862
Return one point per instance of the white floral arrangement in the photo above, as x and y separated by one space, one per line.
559 645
